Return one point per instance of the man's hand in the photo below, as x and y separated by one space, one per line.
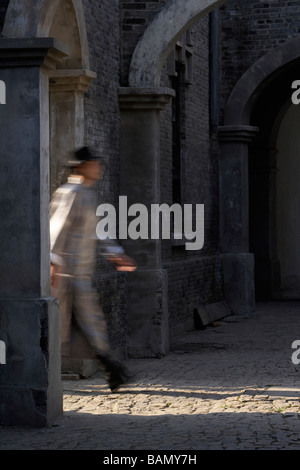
124 263
53 275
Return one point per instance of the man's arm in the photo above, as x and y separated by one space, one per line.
60 207
114 253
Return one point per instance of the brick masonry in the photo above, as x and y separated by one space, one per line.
135 17
194 278
249 30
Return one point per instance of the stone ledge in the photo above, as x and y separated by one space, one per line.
32 52
237 133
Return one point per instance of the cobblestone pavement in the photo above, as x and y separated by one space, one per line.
232 386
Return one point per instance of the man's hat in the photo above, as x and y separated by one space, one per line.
82 155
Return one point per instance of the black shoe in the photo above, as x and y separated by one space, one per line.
116 374
116 380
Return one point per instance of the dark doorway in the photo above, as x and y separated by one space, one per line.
264 222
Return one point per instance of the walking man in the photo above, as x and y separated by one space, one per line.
73 250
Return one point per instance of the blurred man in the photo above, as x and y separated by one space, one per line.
73 250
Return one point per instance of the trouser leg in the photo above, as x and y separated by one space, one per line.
91 321
64 294
89 316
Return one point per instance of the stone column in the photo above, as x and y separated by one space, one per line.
148 332
30 385
273 262
238 263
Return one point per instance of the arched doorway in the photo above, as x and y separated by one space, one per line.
269 168
288 202
262 98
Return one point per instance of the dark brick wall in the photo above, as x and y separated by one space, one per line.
194 278
191 283
101 100
250 28
199 168
135 17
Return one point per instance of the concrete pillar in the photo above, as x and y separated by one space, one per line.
30 386
238 263
148 332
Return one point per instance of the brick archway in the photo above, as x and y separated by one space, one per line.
160 36
256 79
252 103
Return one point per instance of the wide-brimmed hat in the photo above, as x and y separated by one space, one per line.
82 155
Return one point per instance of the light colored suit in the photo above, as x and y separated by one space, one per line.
73 247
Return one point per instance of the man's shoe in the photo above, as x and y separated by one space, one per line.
116 380
115 372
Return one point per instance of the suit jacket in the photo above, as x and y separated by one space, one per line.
73 224
73 239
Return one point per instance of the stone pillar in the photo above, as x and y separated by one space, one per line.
238 263
273 262
148 332
30 385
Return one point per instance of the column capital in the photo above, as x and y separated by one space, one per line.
145 98
77 80
25 52
237 133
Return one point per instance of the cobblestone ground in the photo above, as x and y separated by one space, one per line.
228 387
